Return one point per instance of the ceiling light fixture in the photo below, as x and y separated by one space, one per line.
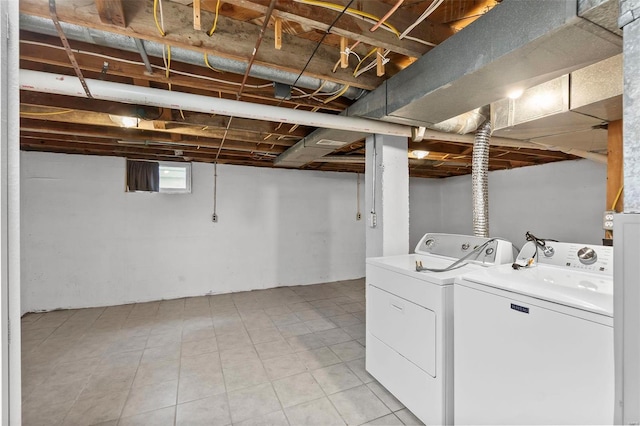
124 121
419 154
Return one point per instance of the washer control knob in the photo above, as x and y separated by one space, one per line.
489 251
587 256
548 251
430 243
465 246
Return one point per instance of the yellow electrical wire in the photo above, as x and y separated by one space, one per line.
155 18
615 202
167 68
46 113
371 52
350 10
206 62
215 21
337 95
353 46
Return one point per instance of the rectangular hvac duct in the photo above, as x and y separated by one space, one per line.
518 44
318 144
575 103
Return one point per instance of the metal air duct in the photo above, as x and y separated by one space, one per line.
516 45
568 111
102 38
480 180
463 123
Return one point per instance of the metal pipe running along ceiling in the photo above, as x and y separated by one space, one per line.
66 85
517 44
96 37
37 81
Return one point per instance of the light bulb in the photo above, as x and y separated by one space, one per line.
419 154
124 121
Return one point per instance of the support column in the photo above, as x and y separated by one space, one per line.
627 231
615 182
10 390
387 195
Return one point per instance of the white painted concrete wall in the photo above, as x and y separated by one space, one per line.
390 180
563 201
425 209
86 242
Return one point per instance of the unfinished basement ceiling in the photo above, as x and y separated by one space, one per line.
125 45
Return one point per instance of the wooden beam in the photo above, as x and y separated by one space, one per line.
197 25
114 145
355 28
344 56
81 128
199 82
263 128
615 169
254 161
224 42
111 12
456 14
379 62
144 152
152 133
43 138
277 29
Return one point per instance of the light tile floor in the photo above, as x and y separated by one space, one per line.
284 356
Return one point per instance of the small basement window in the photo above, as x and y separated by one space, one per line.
175 177
158 176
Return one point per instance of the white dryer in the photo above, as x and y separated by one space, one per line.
409 319
534 345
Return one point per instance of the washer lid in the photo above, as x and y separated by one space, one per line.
588 292
406 264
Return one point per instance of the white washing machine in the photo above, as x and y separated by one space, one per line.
535 345
409 319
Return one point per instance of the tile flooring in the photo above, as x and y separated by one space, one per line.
284 356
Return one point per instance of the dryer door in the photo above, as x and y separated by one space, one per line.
408 328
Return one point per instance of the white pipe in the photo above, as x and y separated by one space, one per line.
66 85
10 272
593 156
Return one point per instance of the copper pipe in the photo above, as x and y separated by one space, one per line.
267 17
387 15
67 47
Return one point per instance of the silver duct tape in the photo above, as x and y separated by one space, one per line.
480 180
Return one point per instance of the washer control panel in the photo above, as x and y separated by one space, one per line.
479 249
588 258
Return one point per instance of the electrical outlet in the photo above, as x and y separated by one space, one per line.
214 218
358 216
373 220
607 220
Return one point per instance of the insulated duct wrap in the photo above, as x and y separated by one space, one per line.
40 25
480 180
463 123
